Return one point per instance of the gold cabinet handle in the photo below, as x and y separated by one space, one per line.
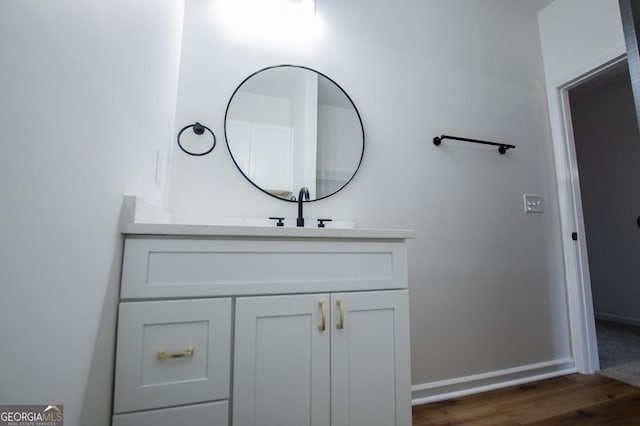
340 304
323 310
186 354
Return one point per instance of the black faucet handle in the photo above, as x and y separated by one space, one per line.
322 221
279 219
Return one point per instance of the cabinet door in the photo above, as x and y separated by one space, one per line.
370 370
281 368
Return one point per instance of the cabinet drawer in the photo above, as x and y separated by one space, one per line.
182 267
172 353
212 414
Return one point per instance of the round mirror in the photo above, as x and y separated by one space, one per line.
289 127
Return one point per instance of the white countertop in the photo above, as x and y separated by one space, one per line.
140 218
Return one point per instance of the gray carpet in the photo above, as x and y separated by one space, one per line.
619 351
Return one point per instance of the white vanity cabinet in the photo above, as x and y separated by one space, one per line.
298 327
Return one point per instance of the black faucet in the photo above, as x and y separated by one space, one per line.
303 192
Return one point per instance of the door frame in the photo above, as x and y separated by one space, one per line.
584 346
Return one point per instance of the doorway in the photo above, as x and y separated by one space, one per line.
607 147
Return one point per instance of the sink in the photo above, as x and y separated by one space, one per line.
143 212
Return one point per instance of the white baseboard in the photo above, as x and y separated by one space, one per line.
462 386
617 318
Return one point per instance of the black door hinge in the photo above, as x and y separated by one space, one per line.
574 236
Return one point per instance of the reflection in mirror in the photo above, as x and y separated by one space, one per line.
290 126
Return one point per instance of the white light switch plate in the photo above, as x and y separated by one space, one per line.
533 203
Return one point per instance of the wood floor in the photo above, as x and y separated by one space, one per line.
569 400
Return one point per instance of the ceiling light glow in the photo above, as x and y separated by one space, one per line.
280 22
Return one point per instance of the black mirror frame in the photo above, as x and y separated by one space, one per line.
320 74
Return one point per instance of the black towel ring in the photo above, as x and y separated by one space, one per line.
198 129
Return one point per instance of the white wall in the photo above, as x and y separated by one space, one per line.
578 36
608 147
88 95
486 279
261 109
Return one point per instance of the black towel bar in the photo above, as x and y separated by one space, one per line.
503 147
